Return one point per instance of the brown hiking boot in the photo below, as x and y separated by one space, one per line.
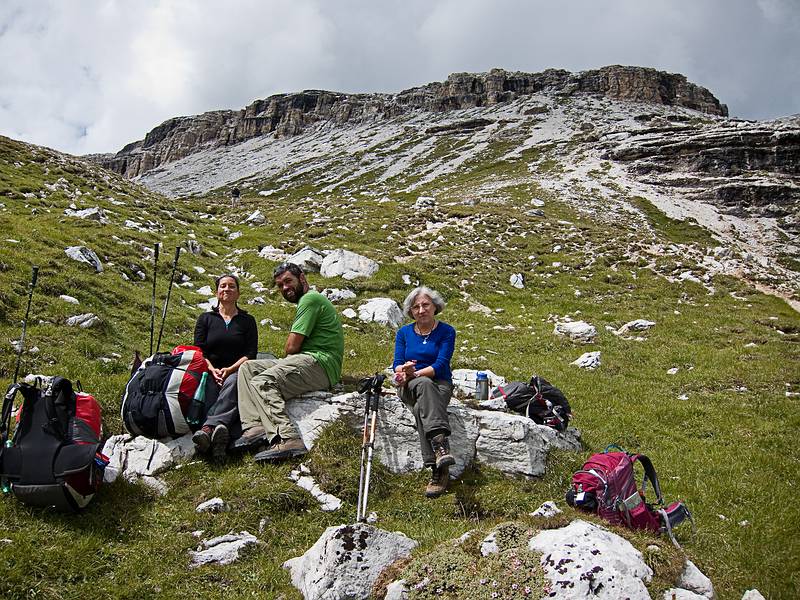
219 442
202 439
441 450
438 483
287 448
251 438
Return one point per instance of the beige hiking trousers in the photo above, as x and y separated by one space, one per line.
265 385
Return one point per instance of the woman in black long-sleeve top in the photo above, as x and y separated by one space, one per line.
228 337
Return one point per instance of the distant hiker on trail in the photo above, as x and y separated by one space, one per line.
314 352
235 197
422 353
228 337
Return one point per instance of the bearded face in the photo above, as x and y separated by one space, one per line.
292 288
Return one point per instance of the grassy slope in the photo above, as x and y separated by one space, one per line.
723 450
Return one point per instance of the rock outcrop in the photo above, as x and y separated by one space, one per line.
286 115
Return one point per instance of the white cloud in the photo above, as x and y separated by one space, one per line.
85 76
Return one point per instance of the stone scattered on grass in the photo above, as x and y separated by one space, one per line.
547 510
577 331
348 265
381 310
215 505
86 256
582 558
588 360
346 561
303 479
222 550
84 321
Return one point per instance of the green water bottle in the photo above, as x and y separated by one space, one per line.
197 407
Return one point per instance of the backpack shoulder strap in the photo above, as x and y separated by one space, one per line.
5 415
649 473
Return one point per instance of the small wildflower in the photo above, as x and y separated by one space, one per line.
494 583
514 586
527 591
483 581
495 594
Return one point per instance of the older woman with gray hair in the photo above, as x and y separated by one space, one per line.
422 353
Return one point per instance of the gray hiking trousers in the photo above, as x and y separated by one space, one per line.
428 399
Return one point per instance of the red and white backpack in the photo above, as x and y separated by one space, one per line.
157 397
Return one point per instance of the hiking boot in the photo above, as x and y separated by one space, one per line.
441 450
288 448
202 439
219 442
438 483
252 437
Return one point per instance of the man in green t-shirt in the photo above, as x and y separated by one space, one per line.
314 352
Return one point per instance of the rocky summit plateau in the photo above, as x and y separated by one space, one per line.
600 139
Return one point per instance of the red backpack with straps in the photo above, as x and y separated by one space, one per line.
606 485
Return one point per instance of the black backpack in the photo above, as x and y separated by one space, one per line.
53 458
538 400
157 397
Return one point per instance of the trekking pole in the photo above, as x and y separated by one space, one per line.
166 300
153 303
21 346
373 395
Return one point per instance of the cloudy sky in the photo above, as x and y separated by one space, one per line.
87 76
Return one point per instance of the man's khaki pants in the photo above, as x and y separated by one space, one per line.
265 385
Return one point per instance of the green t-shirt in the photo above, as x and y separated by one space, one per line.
318 321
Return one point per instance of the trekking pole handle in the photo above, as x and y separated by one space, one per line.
34 276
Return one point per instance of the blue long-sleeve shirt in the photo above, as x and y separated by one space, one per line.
436 353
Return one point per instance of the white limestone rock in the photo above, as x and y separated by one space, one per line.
346 561
328 502
89 214
336 295
547 510
349 313
205 291
85 255
753 595
396 590
585 560
694 580
84 321
517 280
588 360
69 299
309 259
272 253
577 331
489 545
140 456
381 310
215 505
221 550
635 325
348 265
681 594
256 218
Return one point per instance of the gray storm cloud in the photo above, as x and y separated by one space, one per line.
92 76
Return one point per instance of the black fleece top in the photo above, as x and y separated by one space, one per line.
224 344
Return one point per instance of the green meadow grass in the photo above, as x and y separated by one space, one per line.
721 431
